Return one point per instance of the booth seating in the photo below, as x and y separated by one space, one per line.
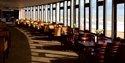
3 48
5 43
2 25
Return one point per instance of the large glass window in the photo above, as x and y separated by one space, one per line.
40 13
93 16
120 20
77 2
100 19
54 15
86 1
77 16
48 13
109 18
36 13
68 17
65 13
68 13
44 13
87 18
61 16
61 12
82 14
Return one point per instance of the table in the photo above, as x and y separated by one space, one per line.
86 46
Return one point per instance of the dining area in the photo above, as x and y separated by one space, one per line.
90 47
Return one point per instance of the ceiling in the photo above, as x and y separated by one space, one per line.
23 3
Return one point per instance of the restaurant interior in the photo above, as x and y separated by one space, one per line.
62 31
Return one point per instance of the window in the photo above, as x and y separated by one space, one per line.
120 20
109 18
100 19
93 16
82 14
87 18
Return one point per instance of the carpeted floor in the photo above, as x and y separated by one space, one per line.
31 47
19 51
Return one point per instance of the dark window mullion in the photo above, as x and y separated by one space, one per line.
55 12
70 13
115 21
84 16
67 13
90 15
104 18
63 12
79 14
124 21
74 12
59 11
97 14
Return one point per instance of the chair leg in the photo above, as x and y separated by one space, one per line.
7 52
4 57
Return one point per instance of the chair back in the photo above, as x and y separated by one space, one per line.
57 31
45 28
100 50
112 49
64 29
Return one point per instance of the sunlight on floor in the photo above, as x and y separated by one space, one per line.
43 51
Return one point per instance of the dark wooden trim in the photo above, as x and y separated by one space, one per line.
115 20
76 6
87 4
39 9
48 8
64 12
42 12
124 21
67 13
61 8
97 15
68 7
104 18
74 12
79 18
54 8
59 11
90 16
119 1
56 12
100 3
84 16
70 13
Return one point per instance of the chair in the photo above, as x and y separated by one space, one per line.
111 53
3 47
99 53
64 29
51 30
57 31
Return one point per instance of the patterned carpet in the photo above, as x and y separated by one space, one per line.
29 46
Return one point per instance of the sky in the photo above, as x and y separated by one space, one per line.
120 7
